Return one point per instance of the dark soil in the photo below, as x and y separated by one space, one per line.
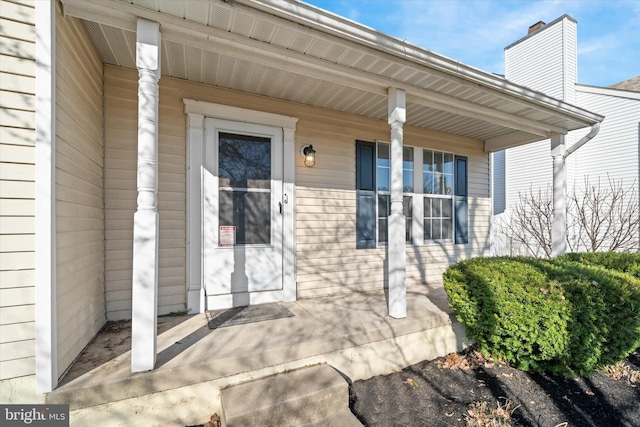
438 393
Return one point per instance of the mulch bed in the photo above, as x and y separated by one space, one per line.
439 392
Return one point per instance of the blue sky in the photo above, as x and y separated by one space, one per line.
476 32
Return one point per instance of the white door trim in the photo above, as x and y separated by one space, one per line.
196 111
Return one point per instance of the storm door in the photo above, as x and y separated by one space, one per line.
242 212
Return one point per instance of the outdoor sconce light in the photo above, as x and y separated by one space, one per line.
309 155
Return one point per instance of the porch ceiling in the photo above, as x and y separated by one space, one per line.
296 52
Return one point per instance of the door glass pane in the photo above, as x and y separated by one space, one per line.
245 187
244 161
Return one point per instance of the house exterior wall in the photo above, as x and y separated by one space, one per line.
121 154
327 259
79 190
547 61
17 189
613 153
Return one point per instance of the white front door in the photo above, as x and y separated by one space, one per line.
243 213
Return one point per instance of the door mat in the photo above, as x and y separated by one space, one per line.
248 314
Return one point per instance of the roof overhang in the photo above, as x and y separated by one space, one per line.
296 52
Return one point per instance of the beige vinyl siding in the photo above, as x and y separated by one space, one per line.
79 190
17 189
326 258
121 94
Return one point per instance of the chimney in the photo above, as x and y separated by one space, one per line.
536 26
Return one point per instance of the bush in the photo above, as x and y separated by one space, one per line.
623 262
567 315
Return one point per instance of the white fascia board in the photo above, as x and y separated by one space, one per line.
212 39
608 91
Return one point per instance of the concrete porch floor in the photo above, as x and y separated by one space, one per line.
352 333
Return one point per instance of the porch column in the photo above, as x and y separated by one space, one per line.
559 220
145 220
396 250
46 323
195 151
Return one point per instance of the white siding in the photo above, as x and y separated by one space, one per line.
570 37
17 189
498 181
527 167
614 151
79 190
537 62
327 260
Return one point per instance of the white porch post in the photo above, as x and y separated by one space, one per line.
559 220
46 323
145 220
396 250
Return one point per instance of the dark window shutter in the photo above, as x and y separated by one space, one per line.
365 194
461 200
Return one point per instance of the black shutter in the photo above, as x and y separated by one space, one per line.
461 200
365 194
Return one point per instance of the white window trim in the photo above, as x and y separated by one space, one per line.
196 112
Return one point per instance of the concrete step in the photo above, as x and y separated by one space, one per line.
303 396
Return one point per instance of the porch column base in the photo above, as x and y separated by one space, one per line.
144 300
397 267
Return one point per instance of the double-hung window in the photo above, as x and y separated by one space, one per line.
437 172
383 173
434 187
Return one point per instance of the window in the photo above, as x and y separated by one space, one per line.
383 168
437 172
434 185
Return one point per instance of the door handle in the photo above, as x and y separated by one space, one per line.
280 206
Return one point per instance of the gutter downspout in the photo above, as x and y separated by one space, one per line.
588 137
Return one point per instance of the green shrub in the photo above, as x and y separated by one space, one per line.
623 262
564 315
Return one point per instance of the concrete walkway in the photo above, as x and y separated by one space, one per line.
352 333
